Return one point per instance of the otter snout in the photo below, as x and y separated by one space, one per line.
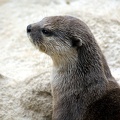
29 28
33 28
34 34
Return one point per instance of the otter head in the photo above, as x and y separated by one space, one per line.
59 36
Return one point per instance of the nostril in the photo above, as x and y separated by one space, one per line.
29 28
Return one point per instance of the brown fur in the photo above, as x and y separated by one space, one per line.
106 108
82 82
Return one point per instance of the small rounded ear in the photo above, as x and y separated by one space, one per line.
76 41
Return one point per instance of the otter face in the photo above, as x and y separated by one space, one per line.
57 35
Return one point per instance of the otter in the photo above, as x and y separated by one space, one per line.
83 87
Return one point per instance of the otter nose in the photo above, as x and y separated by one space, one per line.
29 28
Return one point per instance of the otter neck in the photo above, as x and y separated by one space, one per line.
65 61
80 79
85 59
84 69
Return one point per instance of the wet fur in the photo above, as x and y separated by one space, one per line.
82 82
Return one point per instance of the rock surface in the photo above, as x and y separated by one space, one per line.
25 92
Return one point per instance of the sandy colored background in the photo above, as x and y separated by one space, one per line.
25 72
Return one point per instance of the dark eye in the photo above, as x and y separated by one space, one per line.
47 32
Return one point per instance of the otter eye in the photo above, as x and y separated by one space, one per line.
46 32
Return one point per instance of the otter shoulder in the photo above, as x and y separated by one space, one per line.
106 108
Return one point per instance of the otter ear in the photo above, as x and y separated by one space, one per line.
76 41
